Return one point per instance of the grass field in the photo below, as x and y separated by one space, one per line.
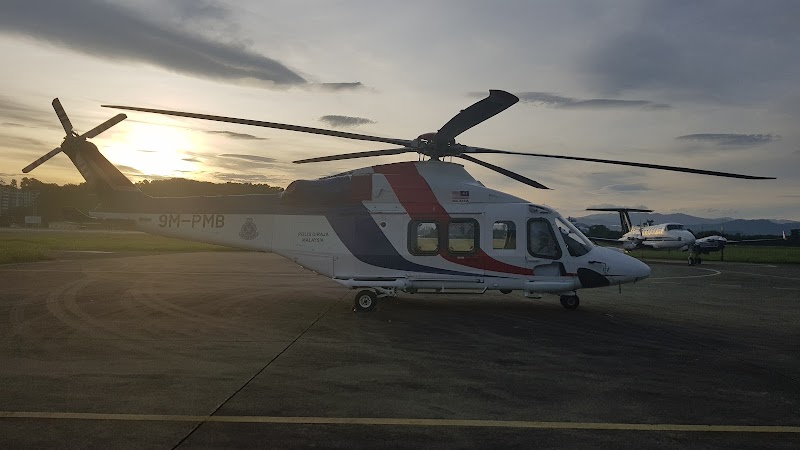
25 246
733 253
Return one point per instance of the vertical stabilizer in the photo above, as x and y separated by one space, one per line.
624 216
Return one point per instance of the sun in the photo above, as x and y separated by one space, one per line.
156 150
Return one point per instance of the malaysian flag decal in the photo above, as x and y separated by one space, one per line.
461 196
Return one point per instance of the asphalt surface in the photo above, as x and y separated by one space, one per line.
248 350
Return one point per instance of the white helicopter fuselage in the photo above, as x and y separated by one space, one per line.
408 226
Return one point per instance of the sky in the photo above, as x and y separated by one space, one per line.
704 84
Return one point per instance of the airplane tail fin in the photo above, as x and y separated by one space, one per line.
624 217
102 176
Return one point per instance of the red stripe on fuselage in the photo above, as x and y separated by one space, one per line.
418 199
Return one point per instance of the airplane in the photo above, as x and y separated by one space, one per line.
670 236
421 226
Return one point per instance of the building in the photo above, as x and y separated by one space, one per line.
11 197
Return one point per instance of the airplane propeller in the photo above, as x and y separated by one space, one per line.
72 137
439 144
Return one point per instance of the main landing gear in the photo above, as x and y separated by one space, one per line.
365 301
694 260
570 301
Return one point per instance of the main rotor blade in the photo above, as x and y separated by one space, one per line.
622 163
258 123
104 126
505 172
62 117
391 151
497 102
41 160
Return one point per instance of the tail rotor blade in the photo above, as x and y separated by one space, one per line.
41 160
506 172
104 126
62 116
497 102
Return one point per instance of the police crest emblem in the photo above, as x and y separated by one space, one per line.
249 230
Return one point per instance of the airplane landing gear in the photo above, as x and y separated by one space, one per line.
570 301
365 301
694 260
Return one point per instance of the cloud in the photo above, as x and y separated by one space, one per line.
12 125
18 112
720 50
128 170
232 135
117 33
336 87
632 187
192 159
345 121
728 139
559 101
254 158
246 178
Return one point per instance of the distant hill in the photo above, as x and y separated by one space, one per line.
696 224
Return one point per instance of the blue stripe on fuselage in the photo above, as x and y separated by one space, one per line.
356 228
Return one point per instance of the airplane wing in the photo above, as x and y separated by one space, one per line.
716 241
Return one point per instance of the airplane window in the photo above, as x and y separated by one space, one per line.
675 227
577 243
423 238
462 236
541 239
504 235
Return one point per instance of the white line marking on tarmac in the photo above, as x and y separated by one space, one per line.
404 422
713 274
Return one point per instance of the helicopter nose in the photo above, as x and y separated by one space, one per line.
637 270
624 268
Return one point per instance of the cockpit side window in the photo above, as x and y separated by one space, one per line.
577 244
504 235
541 239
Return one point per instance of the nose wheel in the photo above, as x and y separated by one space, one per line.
570 301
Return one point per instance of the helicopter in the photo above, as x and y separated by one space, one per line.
424 226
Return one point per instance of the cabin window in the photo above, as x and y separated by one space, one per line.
423 237
462 236
541 239
504 235
577 244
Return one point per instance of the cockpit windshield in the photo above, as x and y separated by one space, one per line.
577 243
674 226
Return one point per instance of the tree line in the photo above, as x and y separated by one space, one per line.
54 202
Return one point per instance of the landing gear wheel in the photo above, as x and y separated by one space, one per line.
365 301
698 261
570 301
505 291
694 260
